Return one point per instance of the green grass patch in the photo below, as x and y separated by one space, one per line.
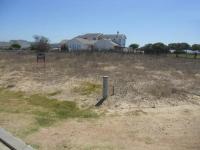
87 88
54 110
43 110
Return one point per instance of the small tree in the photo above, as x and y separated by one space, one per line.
41 44
15 46
134 46
160 48
196 47
179 47
147 49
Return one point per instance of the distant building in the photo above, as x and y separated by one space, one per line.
91 36
106 44
119 39
97 41
80 44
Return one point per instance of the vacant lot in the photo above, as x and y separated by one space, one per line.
156 101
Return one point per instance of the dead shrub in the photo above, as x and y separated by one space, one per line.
161 89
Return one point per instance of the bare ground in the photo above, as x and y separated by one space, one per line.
164 129
155 105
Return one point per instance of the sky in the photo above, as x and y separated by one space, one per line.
142 21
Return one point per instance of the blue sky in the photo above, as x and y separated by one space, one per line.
143 21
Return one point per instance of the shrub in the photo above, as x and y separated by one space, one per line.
15 46
41 44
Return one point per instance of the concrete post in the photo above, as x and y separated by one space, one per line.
105 87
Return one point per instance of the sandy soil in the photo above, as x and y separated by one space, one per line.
170 128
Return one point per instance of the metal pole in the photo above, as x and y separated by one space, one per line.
105 87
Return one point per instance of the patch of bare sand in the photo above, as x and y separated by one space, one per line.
109 68
170 128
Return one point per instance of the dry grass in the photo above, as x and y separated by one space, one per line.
140 82
132 75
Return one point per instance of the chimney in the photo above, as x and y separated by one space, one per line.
117 33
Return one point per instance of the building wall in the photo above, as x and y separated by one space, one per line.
104 45
74 45
119 40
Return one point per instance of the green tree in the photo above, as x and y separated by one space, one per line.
179 47
185 46
147 48
173 46
196 47
134 46
15 46
160 48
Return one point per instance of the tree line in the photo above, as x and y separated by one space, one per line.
161 48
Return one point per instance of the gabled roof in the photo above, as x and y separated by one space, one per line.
96 35
108 41
112 36
64 41
90 35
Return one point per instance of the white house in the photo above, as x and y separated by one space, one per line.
105 44
116 38
91 36
80 44
97 41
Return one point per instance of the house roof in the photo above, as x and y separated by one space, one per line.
108 41
92 42
64 41
112 36
84 41
95 36
90 35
